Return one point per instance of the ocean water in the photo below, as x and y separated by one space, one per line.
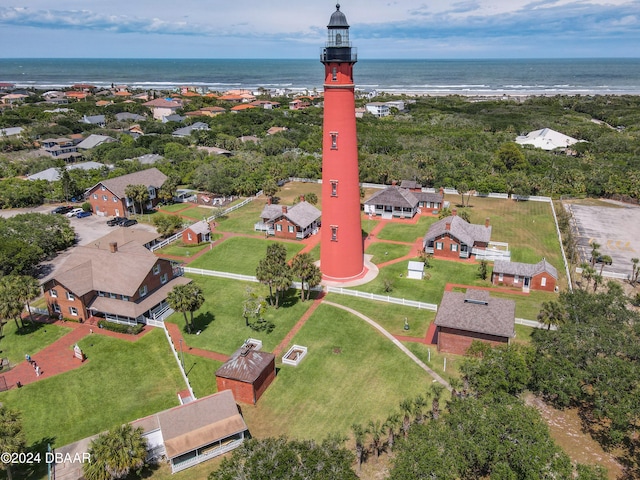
436 77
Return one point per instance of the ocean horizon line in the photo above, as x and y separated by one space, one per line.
408 59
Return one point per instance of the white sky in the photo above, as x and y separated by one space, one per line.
297 29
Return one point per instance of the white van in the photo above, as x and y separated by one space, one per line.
74 212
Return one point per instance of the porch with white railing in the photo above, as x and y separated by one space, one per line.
198 458
121 320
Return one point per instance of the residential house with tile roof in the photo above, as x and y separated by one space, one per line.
452 237
120 282
473 315
293 222
538 276
163 107
108 197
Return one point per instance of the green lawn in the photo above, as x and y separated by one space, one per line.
180 249
389 316
351 374
176 207
201 373
197 213
426 290
220 319
240 255
406 232
243 219
121 381
31 339
383 252
291 191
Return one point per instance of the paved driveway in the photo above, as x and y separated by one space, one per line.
615 226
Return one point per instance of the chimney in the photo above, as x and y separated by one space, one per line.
269 200
447 226
284 209
113 247
302 198
486 222
454 212
393 183
441 190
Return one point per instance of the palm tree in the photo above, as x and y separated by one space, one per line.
12 439
10 304
196 298
392 423
302 266
179 299
605 260
406 406
595 253
552 313
418 408
358 436
436 390
635 271
28 289
377 430
116 453
137 193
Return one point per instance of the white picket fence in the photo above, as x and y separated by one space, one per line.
384 298
177 357
215 273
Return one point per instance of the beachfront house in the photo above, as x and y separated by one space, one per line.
163 107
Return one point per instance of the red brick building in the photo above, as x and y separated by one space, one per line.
108 198
120 282
474 315
296 222
539 276
453 237
247 374
197 233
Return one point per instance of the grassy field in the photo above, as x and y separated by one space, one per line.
351 374
389 316
180 249
406 232
240 255
30 339
197 213
176 207
384 252
291 191
121 381
201 373
243 219
221 322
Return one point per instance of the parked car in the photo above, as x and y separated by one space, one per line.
605 260
116 221
73 212
62 209
83 214
128 222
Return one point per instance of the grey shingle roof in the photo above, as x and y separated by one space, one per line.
429 197
467 233
94 119
52 174
475 311
410 184
129 116
150 177
94 140
395 197
302 214
200 227
524 269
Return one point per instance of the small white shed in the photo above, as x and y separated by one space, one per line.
416 270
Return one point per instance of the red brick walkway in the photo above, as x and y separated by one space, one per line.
287 339
58 357
176 336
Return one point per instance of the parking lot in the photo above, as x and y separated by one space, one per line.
614 226
88 230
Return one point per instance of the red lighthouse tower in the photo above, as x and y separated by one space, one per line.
341 245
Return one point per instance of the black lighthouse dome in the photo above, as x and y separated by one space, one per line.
338 19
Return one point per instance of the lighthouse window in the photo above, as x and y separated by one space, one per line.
338 39
334 233
334 188
334 140
334 74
